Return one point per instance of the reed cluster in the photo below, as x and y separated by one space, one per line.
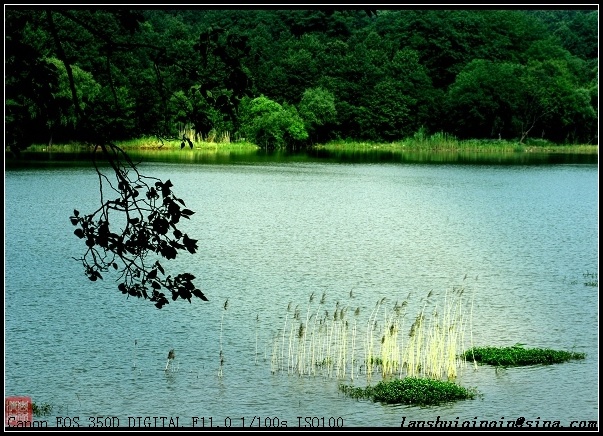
339 343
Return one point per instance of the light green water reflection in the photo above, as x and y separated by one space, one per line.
226 157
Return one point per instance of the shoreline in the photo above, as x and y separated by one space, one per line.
340 147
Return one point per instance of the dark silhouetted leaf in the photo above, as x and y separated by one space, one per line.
185 276
165 188
168 252
190 244
176 245
160 225
197 293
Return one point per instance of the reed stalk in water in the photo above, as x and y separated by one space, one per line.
171 357
220 373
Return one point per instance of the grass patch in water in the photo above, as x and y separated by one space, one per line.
43 409
411 391
517 355
591 279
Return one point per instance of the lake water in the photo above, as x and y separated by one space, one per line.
280 238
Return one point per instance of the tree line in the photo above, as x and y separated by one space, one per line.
295 77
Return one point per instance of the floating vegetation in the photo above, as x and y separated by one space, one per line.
43 409
517 355
591 279
588 279
411 391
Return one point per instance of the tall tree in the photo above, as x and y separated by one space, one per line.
317 109
513 101
484 100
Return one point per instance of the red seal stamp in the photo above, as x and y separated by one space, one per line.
17 411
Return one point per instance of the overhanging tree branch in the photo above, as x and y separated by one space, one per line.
145 206
151 212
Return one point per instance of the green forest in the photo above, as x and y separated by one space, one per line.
292 78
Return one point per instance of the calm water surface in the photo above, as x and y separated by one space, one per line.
521 240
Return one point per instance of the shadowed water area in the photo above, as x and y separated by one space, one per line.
313 234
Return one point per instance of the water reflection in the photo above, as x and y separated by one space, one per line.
227 157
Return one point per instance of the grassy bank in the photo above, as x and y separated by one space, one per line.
438 143
154 143
150 144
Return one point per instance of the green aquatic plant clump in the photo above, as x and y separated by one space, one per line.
411 391
43 409
517 355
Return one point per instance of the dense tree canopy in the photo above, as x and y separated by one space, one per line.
389 72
